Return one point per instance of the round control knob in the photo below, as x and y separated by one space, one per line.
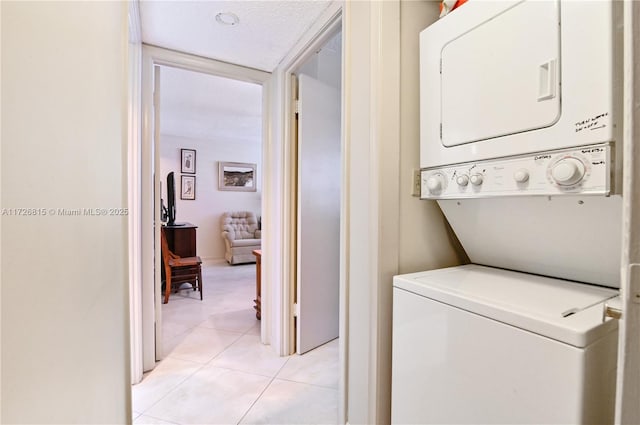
462 180
521 176
568 171
435 183
476 179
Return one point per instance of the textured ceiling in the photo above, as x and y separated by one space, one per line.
267 30
206 107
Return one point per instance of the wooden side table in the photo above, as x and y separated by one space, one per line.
257 301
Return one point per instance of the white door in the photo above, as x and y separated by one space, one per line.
318 218
480 92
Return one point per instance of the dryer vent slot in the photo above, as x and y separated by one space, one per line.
570 312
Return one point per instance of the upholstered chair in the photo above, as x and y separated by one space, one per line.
241 236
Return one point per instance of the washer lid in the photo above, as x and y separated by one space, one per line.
566 311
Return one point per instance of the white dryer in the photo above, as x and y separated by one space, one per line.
513 77
480 345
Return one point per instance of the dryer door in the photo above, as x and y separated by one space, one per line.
502 76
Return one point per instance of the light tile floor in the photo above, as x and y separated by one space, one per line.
216 371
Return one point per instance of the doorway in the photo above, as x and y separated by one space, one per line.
150 310
213 120
277 162
318 84
333 393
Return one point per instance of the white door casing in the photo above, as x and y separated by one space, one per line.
628 385
157 195
134 196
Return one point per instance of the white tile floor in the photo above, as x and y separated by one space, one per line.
216 371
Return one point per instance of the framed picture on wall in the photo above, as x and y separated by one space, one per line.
188 161
237 176
188 187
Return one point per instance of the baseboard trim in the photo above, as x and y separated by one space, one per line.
210 261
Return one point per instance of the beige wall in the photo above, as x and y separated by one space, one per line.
425 239
64 286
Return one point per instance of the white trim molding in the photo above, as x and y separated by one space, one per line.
166 57
134 195
135 26
628 380
372 132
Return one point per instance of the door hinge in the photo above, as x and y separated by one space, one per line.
440 131
297 106
440 65
296 310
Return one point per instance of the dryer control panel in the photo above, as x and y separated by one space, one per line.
583 170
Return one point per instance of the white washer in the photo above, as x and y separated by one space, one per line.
481 345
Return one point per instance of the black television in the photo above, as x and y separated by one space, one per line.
171 199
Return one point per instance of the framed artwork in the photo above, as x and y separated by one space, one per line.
188 161
188 187
238 176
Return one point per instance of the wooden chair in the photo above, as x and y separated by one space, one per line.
179 270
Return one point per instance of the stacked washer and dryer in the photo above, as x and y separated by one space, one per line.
521 148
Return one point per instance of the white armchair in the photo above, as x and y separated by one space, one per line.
241 236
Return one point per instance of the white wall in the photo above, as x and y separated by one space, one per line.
65 337
210 203
326 64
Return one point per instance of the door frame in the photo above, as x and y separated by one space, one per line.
133 196
329 23
149 307
628 379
